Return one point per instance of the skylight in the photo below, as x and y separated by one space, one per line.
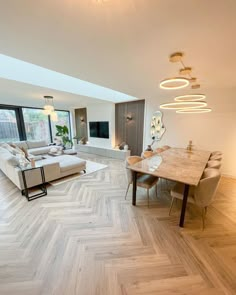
18 70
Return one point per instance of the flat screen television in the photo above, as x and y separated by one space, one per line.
99 129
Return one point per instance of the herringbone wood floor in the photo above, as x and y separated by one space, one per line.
84 238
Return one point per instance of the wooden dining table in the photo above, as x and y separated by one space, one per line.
174 164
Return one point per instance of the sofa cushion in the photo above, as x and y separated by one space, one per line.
4 151
39 150
19 150
20 144
8 147
36 144
66 162
70 162
12 160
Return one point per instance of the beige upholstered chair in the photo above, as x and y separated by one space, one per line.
216 157
147 154
165 147
216 153
213 164
202 195
143 180
159 150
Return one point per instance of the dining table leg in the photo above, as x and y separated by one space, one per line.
134 187
184 204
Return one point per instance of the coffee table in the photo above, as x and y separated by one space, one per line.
70 152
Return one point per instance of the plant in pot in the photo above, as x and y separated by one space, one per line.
76 139
63 133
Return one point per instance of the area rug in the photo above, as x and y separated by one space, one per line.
91 167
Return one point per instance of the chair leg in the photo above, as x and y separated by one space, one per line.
148 196
127 190
171 205
156 190
204 212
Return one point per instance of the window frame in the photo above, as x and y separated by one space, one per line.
21 123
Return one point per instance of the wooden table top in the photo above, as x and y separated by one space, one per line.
175 164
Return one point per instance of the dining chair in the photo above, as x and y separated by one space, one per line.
216 157
147 154
201 195
165 147
213 164
216 153
143 180
159 150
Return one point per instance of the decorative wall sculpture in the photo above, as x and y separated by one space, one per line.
157 126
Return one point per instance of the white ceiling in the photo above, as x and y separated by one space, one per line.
123 44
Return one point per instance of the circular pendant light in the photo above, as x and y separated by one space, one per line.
183 105
174 83
194 111
190 97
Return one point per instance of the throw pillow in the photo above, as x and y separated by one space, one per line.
25 152
18 150
13 160
8 147
3 150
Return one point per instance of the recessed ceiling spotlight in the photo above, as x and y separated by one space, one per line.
195 86
185 71
183 105
190 97
176 57
174 83
194 111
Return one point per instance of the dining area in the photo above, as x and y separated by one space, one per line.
194 174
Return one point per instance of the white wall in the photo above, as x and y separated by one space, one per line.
102 112
210 131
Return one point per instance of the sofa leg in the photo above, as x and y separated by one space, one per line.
84 171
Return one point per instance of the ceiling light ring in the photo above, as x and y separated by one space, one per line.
190 97
183 83
194 111
183 105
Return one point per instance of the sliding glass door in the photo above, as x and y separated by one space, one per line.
63 120
36 124
9 130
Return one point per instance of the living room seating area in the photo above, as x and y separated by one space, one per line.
54 167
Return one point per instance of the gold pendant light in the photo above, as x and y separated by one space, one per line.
188 103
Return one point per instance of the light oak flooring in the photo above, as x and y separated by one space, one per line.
85 239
